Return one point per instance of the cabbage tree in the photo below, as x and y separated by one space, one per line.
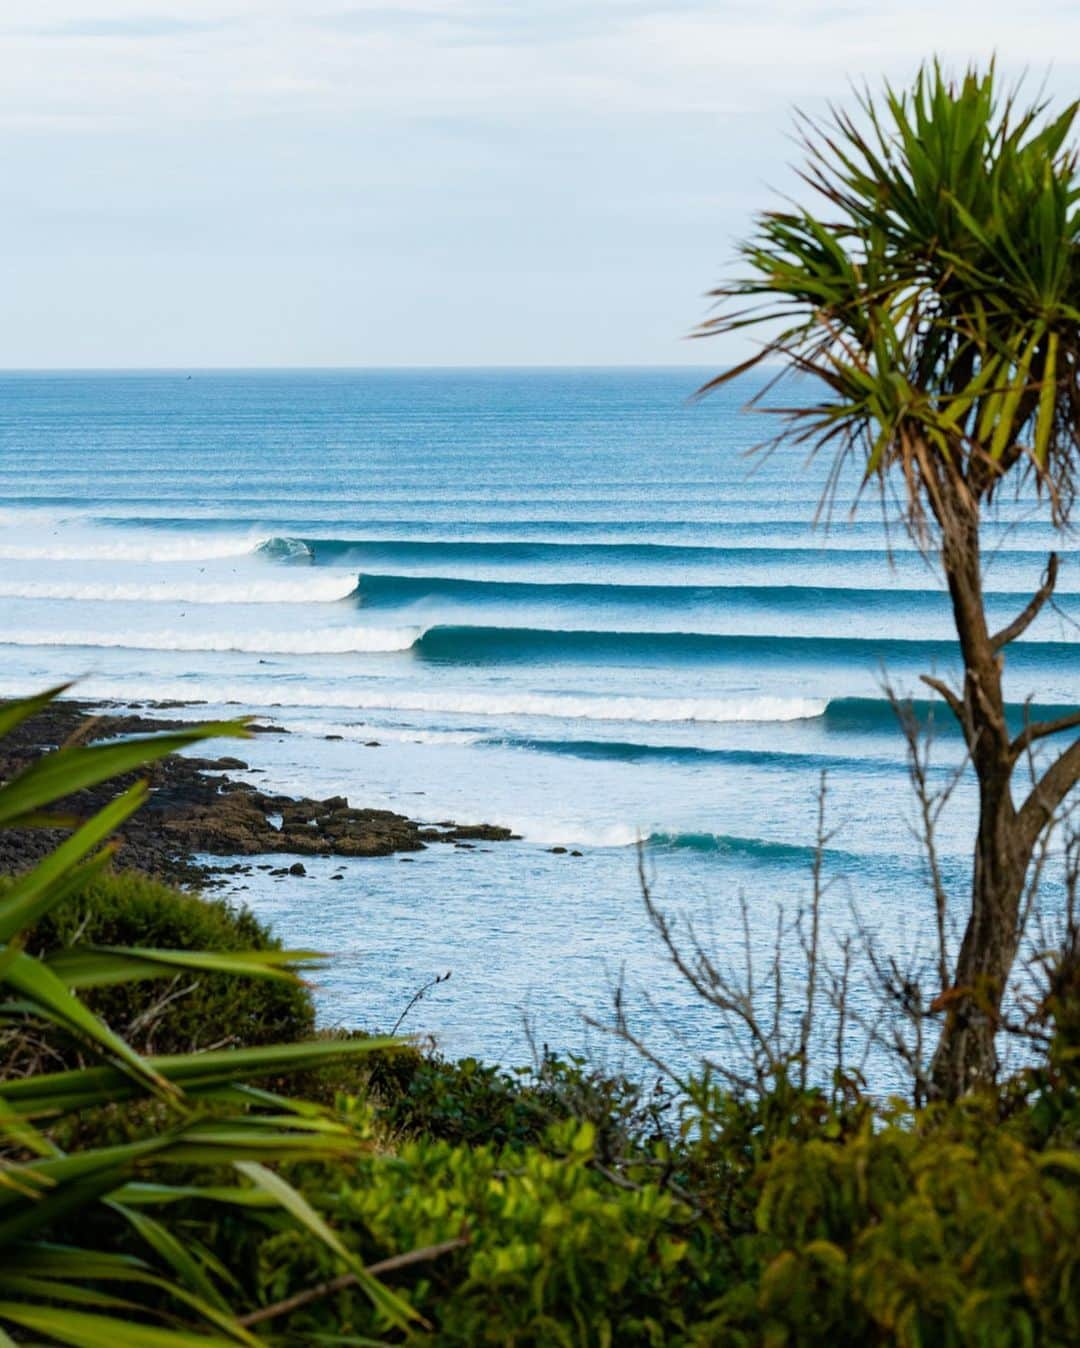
930 295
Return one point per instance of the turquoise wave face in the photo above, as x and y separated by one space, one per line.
390 591
374 551
506 645
561 600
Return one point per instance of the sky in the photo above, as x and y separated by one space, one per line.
435 182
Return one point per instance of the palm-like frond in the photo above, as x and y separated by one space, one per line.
933 293
63 1295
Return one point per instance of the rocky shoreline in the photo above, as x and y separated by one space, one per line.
195 807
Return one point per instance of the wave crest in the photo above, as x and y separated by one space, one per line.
333 641
285 549
317 588
115 550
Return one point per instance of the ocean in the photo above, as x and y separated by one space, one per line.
565 601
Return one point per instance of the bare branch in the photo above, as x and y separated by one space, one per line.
621 1030
325 1289
419 995
1055 784
713 986
956 704
1030 612
1038 730
838 993
811 945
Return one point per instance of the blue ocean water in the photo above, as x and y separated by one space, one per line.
564 601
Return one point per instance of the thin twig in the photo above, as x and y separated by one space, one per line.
419 995
325 1289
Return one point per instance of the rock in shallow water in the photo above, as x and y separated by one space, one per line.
195 807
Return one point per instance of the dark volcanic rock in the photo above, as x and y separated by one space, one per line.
195 807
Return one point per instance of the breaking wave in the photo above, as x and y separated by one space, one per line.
313 588
98 549
560 705
331 641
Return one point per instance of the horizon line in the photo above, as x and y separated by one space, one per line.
354 369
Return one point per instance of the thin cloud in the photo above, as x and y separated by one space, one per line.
307 181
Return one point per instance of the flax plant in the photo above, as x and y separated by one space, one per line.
57 1292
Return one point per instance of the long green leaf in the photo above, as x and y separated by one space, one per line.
34 894
173 1252
82 1330
72 1293
17 1132
1047 400
55 1268
15 712
397 1311
26 1287
1005 429
140 1194
48 1093
47 1259
103 966
52 1001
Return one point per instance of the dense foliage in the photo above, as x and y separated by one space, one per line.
566 1207
205 1009
783 1220
64 1279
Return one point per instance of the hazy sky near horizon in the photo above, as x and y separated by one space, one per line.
299 182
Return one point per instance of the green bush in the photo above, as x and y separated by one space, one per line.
556 1253
468 1101
194 1011
949 1228
595 1213
954 1231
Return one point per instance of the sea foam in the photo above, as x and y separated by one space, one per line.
312 587
328 641
487 703
95 548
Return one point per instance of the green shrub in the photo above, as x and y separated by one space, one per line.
951 1231
556 1255
944 1229
68 1211
468 1101
193 1011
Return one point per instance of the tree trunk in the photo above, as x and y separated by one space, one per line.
966 1054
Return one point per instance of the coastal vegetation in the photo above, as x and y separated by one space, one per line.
178 1110
251 1193
157 1200
187 1160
